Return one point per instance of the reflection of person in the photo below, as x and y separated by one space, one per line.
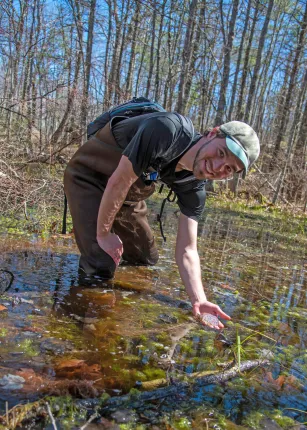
84 305
106 188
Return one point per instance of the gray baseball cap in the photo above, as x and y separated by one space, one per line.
243 142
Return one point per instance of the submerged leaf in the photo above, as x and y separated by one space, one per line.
68 364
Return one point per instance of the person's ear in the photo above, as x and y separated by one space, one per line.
213 132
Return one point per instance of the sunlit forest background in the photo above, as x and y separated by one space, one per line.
63 62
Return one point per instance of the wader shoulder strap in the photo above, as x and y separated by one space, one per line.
115 148
64 224
104 137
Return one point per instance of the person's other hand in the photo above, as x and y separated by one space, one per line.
205 307
112 245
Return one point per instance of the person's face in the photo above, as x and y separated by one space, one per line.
214 161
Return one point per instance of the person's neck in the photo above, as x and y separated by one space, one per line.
186 162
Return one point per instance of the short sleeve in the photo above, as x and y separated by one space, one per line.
150 143
191 199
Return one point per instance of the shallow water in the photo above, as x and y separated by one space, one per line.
56 332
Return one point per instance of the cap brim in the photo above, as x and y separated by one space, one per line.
237 150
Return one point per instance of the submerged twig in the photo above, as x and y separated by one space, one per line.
21 413
51 416
184 387
206 377
95 415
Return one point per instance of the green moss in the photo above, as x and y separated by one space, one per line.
104 398
69 330
65 407
159 347
283 421
148 323
3 332
209 349
153 373
138 375
254 418
131 358
187 346
182 424
162 337
28 348
196 360
150 306
132 426
134 392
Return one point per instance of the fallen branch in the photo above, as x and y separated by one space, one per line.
182 388
272 187
208 377
22 413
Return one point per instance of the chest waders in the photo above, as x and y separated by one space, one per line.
85 180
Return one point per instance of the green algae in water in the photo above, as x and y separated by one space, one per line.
254 419
242 269
153 373
132 426
3 332
131 358
28 347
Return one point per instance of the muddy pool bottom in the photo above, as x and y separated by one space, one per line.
67 341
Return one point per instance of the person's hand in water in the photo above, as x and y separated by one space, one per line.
112 245
207 313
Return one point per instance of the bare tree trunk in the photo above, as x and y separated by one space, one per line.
87 65
226 67
146 40
234 87
269 69
157 79
251 95
70 101
106 98
298 133
240 106
115 56
16 28
194 55
152 48
172 50
186 56
292 83
118 91
136 21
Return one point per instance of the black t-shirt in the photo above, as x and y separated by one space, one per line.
158 141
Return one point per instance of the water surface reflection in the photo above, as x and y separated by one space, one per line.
62 335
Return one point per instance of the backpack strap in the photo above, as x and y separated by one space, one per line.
186 122
171 196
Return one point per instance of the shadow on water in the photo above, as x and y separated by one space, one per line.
60 335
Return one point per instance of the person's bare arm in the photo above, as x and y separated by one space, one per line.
112 200
188 262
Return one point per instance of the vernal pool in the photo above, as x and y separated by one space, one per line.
60 337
